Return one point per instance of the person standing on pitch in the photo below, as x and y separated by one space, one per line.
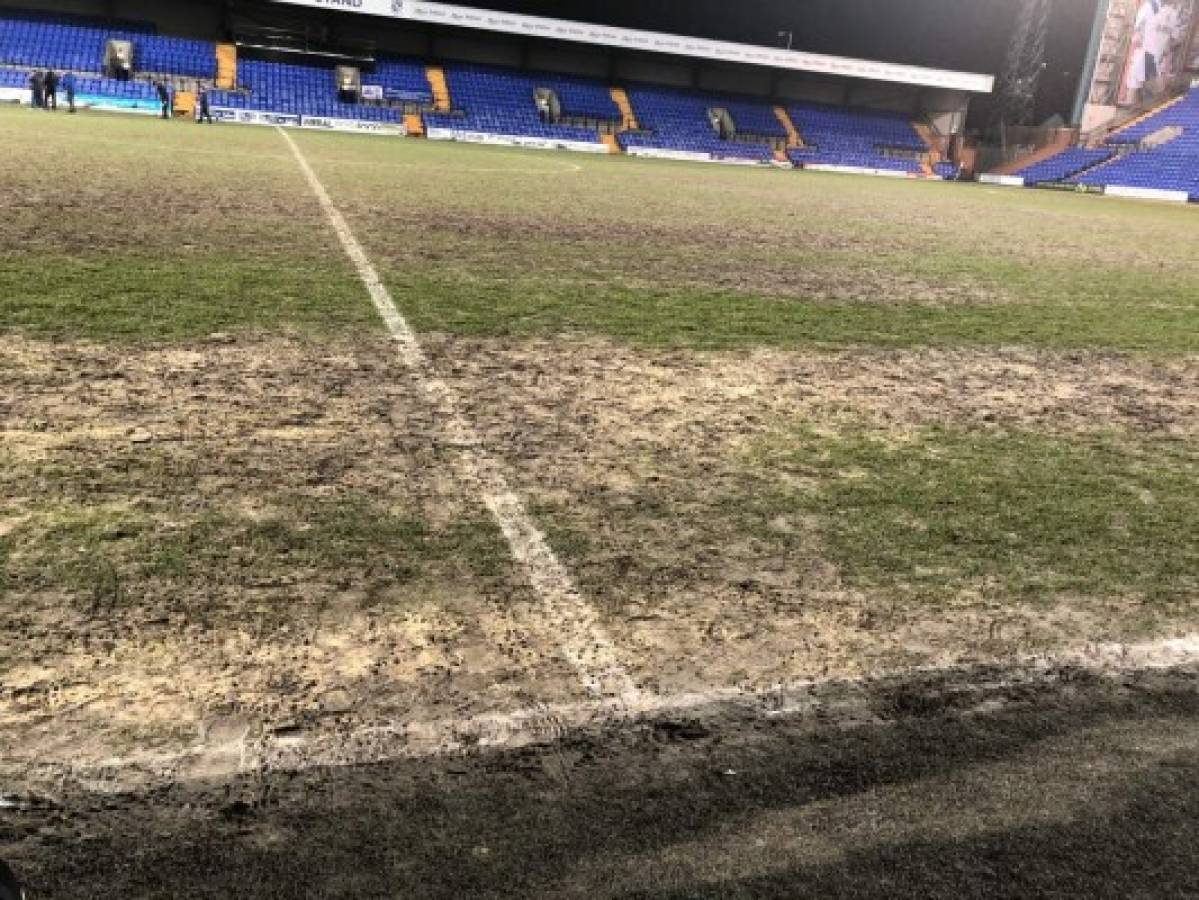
36 86
164 97
52 90
68 85
205 113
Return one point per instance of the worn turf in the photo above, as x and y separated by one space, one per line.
777 425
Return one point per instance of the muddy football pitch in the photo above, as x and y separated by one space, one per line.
388 518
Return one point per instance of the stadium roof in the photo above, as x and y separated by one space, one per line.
656 42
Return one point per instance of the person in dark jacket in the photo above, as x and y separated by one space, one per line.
68 85
205 114
37 86
52 90
164 97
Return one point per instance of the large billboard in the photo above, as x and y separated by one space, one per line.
1144 49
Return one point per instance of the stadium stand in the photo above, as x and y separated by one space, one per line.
947 170
501 101
1069 162
842 136
1159 151
401 79
36 40
1169 166
464 98
295 90
175 56
678 119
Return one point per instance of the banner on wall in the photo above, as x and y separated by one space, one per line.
1145 47
512 140
316 123
655 42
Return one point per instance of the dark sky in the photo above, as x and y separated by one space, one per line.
970 35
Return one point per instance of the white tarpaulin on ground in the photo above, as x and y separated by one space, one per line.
655 42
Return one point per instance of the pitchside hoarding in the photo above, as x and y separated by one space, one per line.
654 42
1145 48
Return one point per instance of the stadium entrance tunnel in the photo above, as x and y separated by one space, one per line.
722 123
549 106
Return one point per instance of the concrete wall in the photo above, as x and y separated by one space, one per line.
753 81
644 68
796 87
574 61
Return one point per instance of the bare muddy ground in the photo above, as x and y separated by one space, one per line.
208 545
646 468
1071 785
242 541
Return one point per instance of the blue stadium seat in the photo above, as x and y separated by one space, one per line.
844 136
1063 165
501 101
678 119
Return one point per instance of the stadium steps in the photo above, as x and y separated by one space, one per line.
628 118
934 153
185 105
1115 157
794 140
226 67
1163 136
441 89
415 125
1063 141
1148 114
930 141
612 143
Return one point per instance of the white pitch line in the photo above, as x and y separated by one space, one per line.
834 702
582 639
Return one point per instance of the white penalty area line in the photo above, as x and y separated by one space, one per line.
830 702
581 638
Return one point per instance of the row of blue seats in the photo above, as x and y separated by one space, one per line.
1170 166
87 85
865 159
79 44
502 101
1063 165
402 78
295 90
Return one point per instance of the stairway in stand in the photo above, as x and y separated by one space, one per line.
440 87
1148 114
934 149
794 139
628 118
226 67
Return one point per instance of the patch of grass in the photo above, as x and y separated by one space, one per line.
667 317
1030 514
136 298
97 553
